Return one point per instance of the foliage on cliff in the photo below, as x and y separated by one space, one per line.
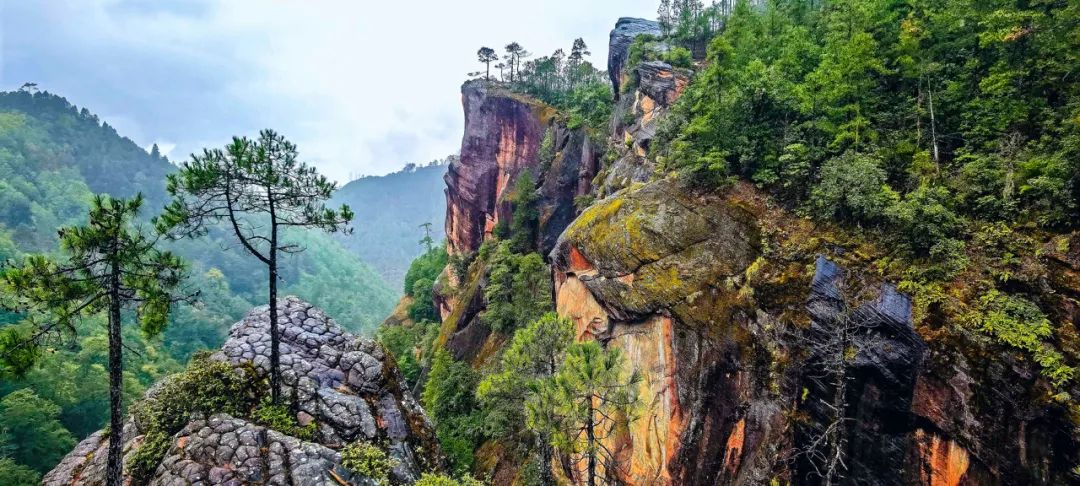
928 123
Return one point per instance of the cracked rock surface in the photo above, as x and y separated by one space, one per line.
341 382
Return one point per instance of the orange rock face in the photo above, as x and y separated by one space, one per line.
944 462
654 436
502 135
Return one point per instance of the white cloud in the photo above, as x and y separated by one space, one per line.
361 87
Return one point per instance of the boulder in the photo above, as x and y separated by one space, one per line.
339 382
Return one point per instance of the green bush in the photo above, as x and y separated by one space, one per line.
423 304
852 189
680 57
206 386
430 479
368 460
924 219
281 419
1019 323
427 266
449 399
518 290
15 474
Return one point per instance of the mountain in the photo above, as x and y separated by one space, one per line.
389 211
775 261
53 158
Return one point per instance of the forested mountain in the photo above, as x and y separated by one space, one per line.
53 158
390 210
795 242
777 242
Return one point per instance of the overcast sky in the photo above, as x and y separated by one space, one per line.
363 87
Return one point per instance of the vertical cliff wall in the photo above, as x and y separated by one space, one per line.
726 304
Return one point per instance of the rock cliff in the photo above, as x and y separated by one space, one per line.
729 308
626 29
756 331
504 132
637 115
343 388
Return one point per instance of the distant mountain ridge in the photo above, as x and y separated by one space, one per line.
55 156
390 210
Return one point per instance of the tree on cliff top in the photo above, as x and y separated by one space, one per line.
514 54
486 55
110 266
256 187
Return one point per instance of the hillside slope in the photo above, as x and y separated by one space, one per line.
389 211
53 158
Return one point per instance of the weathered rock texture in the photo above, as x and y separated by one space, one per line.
718 300
342 383
504 132
503 135
626 29
658 86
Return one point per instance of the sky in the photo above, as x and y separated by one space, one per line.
361 87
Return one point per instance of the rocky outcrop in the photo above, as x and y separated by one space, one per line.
626 29
730 308
655 272
345 385
659 85
503 133
565 177
225 450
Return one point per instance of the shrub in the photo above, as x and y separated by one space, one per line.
518 290
1017 322
206 386
429 479
15 474
852 188
923 218
423 305
679 57
368 460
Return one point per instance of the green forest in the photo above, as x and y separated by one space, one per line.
951 128
941 137
54 157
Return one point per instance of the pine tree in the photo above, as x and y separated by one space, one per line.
582 406
532 357
257 188
427 240
514 54
486 55
110 266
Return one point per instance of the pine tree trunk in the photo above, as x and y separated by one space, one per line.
546 456
275 356
591 437
114 467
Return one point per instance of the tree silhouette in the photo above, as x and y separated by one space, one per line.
486 55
